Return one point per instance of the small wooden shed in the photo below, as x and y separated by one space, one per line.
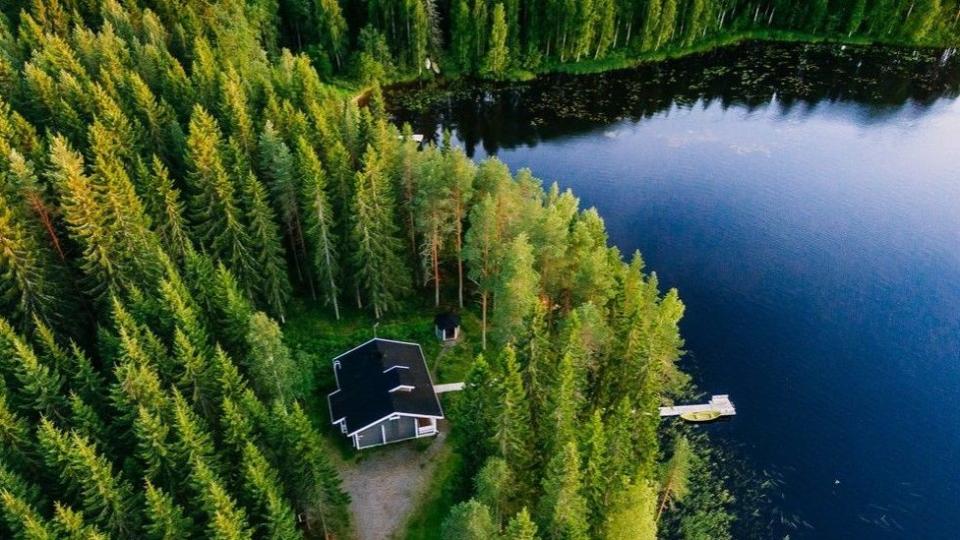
447 326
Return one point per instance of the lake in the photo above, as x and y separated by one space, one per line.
805 200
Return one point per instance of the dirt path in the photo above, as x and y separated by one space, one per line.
385 486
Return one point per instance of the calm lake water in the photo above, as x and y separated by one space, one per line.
806 202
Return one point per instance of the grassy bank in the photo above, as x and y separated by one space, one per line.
629 58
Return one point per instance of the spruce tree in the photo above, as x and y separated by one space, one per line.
276 167
263 488
313 483
494 487
214 208
154 449
269 362
379 268
26 285
513 436
273 285
23 520
521 527
498 54
595 482
167 210
631 516
475 413
165 519
226 520
70 525
468 521
38 385
674 484
563 510
515 290
319 222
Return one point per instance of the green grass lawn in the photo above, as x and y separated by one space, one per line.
446 488
315 338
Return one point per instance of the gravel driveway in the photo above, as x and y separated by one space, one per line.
385 486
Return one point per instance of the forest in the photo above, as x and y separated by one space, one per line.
175 175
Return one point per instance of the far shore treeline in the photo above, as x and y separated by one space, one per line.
174 174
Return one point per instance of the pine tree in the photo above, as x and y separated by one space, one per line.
433 215
462 173
481 252
562 508
319 222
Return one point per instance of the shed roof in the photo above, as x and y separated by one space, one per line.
446 321
380 378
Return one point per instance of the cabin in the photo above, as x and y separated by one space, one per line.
447 326
384 394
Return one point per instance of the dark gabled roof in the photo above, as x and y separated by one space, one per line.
446 321
367 374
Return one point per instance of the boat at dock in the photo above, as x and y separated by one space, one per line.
718 406
701 416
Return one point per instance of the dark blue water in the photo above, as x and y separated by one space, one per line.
808 210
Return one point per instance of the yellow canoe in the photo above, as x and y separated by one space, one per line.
705 416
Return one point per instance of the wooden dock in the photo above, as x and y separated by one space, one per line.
720 404
449 387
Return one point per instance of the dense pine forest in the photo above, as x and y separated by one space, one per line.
175 174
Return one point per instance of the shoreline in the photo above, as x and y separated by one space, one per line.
626 60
